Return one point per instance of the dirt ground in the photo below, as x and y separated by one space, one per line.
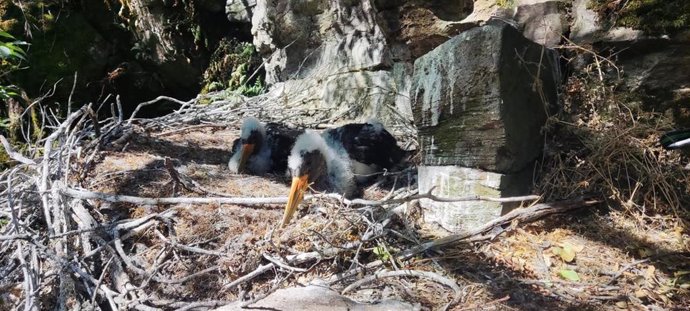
598 259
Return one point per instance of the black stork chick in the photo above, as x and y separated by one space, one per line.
262 148
675 139
313 162
370 147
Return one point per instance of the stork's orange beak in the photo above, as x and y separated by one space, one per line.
247 150
299 186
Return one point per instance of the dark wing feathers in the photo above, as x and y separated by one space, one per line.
368 144
280 138
680 138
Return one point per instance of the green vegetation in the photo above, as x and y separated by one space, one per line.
651 16
234 66
11 57
11 54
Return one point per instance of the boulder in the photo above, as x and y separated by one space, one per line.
476 100
317 298
240 10
542 21
479 102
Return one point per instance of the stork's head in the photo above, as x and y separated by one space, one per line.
252 133
308 162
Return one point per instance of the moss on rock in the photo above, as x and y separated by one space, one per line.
651 16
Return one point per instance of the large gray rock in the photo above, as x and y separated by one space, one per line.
479 102
317 298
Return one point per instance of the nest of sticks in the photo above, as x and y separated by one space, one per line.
141 214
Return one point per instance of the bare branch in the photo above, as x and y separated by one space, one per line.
258 271
521 215
83 194
413 273
13 154
156 100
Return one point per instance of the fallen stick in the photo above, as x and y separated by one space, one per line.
420 274
155 100
626 268
116 198
521 215
258 271
414 273
13 154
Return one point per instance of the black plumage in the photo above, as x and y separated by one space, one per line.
367 143
281 138
339 160
675 139
262 148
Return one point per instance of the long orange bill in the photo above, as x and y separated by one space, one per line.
247 150
299 185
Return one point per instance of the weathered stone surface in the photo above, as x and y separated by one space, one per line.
657 71
354 96
479 116
454 181
585 24
542 21
317 298
421 28
485 10
304 39
240 10
354 57
475 103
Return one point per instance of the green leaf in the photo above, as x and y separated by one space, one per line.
6 35
569 275
381 253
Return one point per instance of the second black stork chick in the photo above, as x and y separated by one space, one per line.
313 162
262 148
370 147
675 139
